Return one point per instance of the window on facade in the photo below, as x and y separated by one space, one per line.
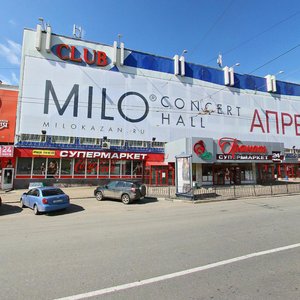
79 166
246 172
158 144
31 137
126 167
137 144
207 172
115 167
91 167
66 166
116 143
24 165
137 168
52 168
39 166
89 141
62 139
103 167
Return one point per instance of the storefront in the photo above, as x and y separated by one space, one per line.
228 161
88 167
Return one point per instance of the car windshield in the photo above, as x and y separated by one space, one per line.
52 192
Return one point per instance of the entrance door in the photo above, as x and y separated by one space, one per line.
161 176
7 178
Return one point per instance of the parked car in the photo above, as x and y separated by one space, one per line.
126 191
45 199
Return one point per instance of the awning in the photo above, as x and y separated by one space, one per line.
156 163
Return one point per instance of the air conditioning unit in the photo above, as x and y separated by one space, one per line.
105 145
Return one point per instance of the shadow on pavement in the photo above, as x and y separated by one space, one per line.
146 200
6 209
73 208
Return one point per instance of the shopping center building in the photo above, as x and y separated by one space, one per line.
88 112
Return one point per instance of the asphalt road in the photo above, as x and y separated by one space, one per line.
95 246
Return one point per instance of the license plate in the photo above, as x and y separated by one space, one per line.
57 201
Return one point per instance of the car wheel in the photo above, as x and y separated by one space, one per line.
35 209
21 204
99 196
125 199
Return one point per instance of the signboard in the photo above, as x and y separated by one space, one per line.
183 174
96 102
6 151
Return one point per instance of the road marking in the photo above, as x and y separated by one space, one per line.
176 274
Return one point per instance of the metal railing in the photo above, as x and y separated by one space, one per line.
226 192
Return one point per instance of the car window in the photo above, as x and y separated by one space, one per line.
121 184
33 192
52 192
128 184
112 184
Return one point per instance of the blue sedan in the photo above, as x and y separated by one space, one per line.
45 199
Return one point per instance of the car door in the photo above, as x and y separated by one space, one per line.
27 197
110 191
33 198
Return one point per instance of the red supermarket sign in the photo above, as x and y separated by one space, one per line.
231 146
6 151
84 154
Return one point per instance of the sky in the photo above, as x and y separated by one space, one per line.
262 35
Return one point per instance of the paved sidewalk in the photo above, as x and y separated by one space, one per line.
74 193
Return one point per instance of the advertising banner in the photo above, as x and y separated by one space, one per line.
183 175
72 100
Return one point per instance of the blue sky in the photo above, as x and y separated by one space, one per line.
262 35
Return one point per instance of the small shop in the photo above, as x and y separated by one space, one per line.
228 161
76 166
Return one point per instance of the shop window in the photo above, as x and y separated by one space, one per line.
115 167
207 173
52 168
126 167
24 166
79 166
39 166
104 167
91 166
66 166
137 168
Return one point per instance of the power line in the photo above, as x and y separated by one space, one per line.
273 59
212 27
257 35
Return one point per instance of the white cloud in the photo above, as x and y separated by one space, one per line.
10 80
5 80
11 51
14 78
12 22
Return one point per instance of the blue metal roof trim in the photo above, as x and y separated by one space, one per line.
243 81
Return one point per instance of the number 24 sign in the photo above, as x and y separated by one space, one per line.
6 151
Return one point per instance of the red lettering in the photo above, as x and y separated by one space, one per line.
268 112
73 55
59 51
86 56
253 124
230 146
285 124
101 58
297 124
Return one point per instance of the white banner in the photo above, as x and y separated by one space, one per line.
70 100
